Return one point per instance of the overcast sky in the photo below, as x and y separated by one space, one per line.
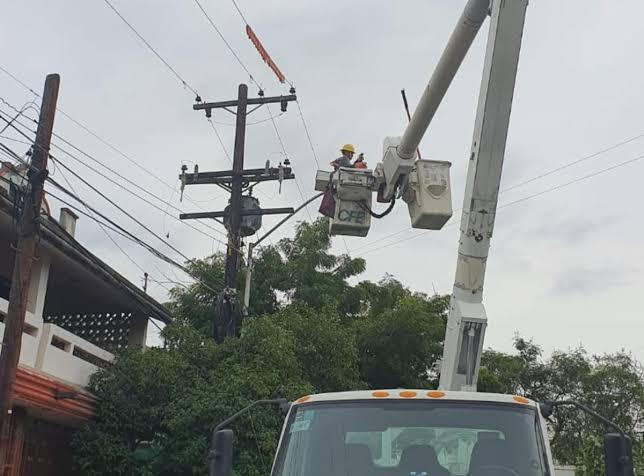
565 267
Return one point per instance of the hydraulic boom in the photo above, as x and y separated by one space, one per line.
467 318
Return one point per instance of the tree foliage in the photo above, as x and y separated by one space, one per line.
611 384
156 408
313 331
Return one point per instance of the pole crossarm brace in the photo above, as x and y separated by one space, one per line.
263 211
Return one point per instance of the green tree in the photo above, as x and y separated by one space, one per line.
315 276
156 409
326 351
399 346
195 303
611 384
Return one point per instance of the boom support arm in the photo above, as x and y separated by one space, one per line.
467 319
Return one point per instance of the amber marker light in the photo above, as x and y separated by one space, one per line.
407 394
380 394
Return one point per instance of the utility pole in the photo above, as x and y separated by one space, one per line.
228 314
25 256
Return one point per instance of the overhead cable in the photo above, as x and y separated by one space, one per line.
99 138
152 49
53 158
521 200
59 162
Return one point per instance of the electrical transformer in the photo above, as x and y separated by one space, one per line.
250 224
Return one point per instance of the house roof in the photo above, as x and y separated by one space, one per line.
84 269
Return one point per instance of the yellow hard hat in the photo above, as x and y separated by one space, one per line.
348 148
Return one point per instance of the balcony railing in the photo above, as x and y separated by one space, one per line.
57 352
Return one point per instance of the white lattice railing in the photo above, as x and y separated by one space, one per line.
56 351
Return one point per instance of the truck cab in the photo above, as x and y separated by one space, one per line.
413 432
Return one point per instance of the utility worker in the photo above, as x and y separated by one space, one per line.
360 163
345 160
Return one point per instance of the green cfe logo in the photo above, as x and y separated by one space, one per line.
352 216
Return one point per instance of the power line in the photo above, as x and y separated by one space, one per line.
308 135
277 133
151 48
114 226
56 160
122 231
17 80
271 117
230 48
108 235
111 226
122 177
103 226
117 206
240 12
149 318
301 114
574 162
521 200
579 179
99 138
524 182
168 204
221 142
230 124
125 234
281 143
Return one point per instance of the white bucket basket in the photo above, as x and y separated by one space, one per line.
429 195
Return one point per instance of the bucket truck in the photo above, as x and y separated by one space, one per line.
452 431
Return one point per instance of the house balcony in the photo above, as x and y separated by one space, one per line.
56 352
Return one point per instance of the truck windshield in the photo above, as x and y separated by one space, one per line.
411 438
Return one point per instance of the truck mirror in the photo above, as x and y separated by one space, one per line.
618 455
221 453
285 406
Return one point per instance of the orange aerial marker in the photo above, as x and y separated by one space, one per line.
264 54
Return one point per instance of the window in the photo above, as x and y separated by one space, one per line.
391 438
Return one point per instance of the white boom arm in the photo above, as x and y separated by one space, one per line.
400 156
467 318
